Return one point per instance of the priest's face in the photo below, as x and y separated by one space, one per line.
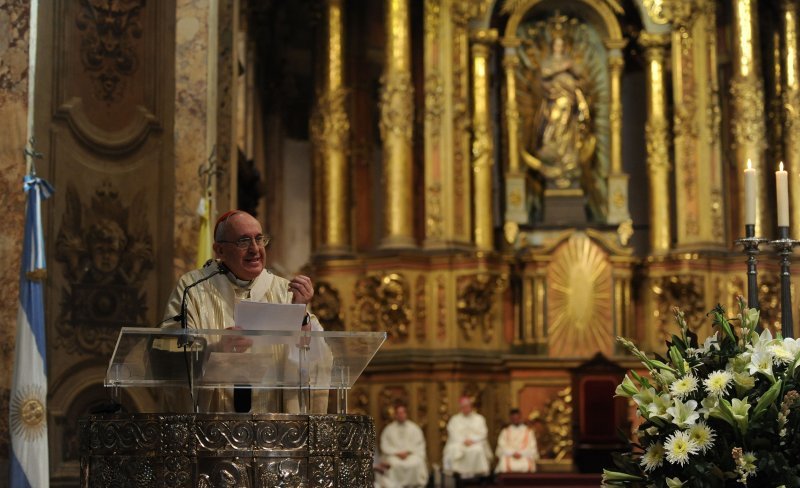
246 263
465 404
400 414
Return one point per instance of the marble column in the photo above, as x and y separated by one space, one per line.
331 134
791 108
396 125
747 97
657 139
482 143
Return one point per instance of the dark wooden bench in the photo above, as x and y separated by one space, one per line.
545 480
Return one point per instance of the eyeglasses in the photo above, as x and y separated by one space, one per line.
244 242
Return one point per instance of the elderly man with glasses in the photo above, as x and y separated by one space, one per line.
240 250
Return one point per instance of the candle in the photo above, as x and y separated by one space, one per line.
749 194
782 187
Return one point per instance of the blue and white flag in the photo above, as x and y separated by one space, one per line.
28 403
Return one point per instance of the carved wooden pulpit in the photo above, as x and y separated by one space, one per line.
217 449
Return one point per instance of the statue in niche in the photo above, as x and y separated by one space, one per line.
563 102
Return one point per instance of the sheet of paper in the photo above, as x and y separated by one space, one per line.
269 316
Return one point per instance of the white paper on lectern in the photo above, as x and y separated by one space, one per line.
269 316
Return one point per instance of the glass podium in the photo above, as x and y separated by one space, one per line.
194 360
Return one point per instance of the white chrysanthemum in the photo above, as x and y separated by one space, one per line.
702 435
780 353
717 382
679 447
653 457
684 386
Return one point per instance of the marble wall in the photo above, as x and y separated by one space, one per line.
14 28
194 111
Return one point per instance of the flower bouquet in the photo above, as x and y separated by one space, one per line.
722 414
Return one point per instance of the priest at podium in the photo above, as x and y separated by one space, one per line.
238 274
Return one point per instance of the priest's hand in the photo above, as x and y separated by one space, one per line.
231 343
302 289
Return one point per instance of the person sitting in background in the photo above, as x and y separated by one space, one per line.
516 447
467 453
403 450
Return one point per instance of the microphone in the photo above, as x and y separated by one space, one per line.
182 316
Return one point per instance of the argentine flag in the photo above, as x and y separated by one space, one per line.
28 405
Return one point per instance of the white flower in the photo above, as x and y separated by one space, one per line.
784 352
684 386
679 446
702 435
653 457
717 382
658 407
761 362
683 414
674 482
709 345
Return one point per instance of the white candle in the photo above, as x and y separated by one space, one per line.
782 187
749 194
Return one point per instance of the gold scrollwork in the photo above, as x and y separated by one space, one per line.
434 220
656 135
396 105
748 127
327 306
434 103
330 127
382 303
421 308
475 299
686 292
555 439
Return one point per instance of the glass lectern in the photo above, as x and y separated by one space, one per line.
194 360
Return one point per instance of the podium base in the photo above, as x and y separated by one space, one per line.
253 450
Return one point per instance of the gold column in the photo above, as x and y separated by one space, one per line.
747 95
331 134
657 137
516 211
791 107
617 179
397 110
482 143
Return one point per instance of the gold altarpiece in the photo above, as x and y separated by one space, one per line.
512 284
509 244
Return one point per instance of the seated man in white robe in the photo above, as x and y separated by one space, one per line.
467 452
239 274
516 447
403 450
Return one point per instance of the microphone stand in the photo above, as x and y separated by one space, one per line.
185 340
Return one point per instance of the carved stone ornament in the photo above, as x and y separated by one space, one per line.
330 451
107 253
110 29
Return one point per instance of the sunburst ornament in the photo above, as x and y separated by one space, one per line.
28 418
579 299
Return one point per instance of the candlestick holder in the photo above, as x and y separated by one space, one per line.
784 246
750 243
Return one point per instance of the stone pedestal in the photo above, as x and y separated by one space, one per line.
564 207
